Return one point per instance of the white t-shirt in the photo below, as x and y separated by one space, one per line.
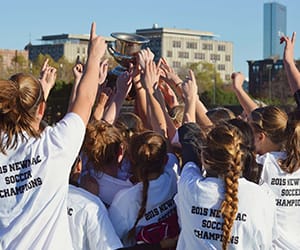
90 225
286 188
109 185
198 206
33 188
160 204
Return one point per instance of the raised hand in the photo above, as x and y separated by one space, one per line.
189 87
145 56
151 75
124 82
190 96
288 54
237 80
169 95
77 71
47 78
97 45
168 73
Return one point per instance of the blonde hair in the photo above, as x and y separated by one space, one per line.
129 123
176 113
292 162
272 121
19 100
223 156
219 114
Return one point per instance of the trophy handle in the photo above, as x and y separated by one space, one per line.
120 58
110 48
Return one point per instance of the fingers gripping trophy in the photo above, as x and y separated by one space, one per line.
124 49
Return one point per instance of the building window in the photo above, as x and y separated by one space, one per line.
176 64
176 44
215 57
227 58
207 46
221 67
221 47
78 50
191 45
83 50
182 54
255 68
227 77
169 53
200 56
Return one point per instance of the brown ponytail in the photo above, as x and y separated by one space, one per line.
147 153
142 210
19 99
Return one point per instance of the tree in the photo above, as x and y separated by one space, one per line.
209 82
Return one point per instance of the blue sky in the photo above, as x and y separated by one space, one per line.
238 21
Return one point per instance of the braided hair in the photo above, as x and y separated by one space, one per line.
223 156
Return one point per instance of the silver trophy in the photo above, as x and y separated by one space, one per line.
124 50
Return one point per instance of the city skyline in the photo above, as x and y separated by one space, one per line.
240 22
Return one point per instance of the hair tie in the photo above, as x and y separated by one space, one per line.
37 100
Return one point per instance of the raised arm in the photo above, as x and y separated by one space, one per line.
88 86
190 96
102 100
77 74
47 78
154 111
123 84
245 100
170 77
293 74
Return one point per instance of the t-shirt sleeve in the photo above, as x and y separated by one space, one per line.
71 127
65 138
190 173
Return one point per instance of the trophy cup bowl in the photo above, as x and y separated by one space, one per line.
124 49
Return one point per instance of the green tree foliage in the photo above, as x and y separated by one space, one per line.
210 84
63 67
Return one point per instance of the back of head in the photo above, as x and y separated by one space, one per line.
292 147
130 123
102 144
220 114
272 121
252 170
147 153
222 157
19 100
176 113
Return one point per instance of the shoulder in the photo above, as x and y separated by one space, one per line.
191 169
128 195
262 194
68 122
85 197
270 157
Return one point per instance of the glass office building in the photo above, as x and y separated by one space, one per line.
274 27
